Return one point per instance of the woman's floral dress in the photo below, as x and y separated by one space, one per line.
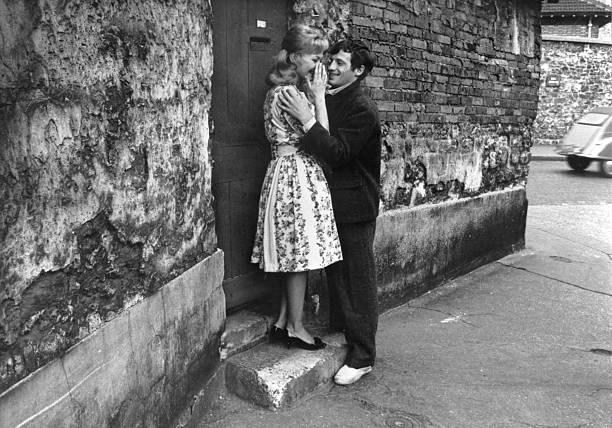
296 230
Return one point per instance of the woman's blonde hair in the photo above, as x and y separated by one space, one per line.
300 39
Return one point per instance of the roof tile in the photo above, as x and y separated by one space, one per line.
575 6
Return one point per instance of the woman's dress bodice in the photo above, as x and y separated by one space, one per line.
282 130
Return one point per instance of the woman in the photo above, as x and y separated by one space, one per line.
296 230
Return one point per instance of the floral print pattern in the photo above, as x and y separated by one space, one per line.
296 229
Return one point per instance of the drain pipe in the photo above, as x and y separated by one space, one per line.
590 26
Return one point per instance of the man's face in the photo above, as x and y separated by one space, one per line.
339 71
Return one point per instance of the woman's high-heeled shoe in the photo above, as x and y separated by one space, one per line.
277 335
299 343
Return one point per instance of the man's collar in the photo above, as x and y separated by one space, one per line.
335 91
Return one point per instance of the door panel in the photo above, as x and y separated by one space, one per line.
241 162
247 33
238 65
243 217
221 192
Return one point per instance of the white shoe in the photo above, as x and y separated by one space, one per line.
348 375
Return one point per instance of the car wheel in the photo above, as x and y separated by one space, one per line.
578 163
605 166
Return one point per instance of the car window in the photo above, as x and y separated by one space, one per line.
608 131
593 119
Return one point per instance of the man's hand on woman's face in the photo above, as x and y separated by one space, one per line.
295 103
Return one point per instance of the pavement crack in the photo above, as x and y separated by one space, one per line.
598 390
457 317
556 279
539 425
391 416
600 351
572 241
596 351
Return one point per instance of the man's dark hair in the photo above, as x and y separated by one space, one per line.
360 54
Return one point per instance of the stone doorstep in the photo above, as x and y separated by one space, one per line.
275 377
243 330
271 375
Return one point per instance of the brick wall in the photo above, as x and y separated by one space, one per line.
456 84
104 167
585 81
570 30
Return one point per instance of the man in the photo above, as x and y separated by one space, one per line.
351 148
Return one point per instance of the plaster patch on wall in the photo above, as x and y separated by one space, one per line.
462 166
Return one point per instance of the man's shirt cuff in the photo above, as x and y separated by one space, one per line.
309 124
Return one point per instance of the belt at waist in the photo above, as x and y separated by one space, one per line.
285 150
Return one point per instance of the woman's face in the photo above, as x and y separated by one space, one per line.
305 63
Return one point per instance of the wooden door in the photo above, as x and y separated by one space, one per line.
246 34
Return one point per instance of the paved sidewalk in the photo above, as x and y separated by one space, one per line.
525 341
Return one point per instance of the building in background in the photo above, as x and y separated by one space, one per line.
576 58
577 18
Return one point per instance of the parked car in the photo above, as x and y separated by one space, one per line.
590 139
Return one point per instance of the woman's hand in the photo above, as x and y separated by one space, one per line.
317 86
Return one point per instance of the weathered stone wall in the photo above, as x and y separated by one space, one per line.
576 77
456 84
104 165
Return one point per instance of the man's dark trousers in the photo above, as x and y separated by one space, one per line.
352 147
352 292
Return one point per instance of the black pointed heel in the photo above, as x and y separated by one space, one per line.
299 343
277 335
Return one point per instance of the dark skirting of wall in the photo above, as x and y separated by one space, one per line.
139 369
419 248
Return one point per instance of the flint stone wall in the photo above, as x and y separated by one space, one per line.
104 164
576 77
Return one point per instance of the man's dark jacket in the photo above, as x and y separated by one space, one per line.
352 149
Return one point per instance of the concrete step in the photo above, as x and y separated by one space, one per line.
269 375
274 377
243 330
